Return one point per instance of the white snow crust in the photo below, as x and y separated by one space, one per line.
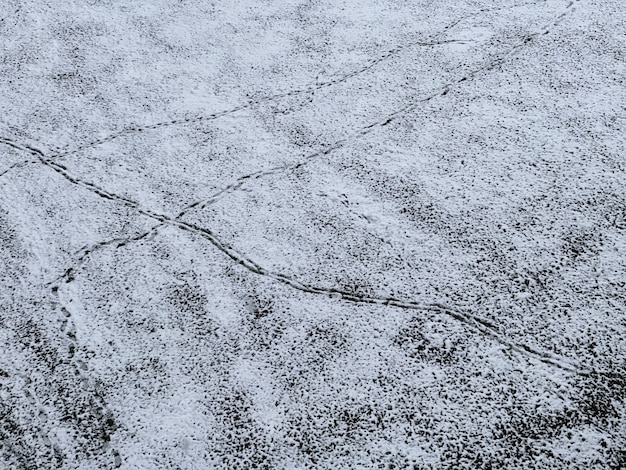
312 234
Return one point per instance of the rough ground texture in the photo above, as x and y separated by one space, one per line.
312 234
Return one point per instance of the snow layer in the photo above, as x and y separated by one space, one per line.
313 234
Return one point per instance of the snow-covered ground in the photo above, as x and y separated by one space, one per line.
312 234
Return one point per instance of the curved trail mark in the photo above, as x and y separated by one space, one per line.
84 254
254 102
441 91
68 329
17 165
245 179
99 410
305 89
471 321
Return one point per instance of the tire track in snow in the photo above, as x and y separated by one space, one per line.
306 89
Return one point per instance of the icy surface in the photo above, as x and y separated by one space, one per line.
299 234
